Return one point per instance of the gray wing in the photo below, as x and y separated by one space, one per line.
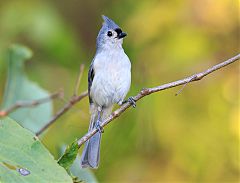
90 80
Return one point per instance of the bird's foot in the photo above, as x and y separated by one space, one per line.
131 101
99 127
98 122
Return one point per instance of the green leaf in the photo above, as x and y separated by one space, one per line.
74 169
23 159
70 154
19 87
83 174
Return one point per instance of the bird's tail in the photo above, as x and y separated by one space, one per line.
91 153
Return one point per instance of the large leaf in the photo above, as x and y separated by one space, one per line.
83 174
24 159
19 87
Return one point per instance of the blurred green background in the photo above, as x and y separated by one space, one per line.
193 137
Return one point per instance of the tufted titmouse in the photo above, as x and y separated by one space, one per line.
109 80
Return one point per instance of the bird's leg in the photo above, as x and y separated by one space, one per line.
98 126
130 100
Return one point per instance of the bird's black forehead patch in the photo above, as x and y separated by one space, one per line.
118 30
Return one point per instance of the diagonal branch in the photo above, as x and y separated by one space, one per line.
32 103
148 91
75 98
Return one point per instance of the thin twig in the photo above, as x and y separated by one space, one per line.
148 91
73 100
32 103
179 91
79 79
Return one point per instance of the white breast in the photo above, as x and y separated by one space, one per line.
112 77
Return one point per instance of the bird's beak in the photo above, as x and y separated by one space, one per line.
121 35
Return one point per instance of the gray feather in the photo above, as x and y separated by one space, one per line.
109 23
91 152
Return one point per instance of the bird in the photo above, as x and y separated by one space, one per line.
109 80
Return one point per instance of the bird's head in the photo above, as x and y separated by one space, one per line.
110 35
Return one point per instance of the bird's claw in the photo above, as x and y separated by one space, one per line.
99 127
132 101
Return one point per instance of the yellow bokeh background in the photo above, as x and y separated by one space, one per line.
192 137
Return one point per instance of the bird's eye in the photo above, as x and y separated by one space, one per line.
109 33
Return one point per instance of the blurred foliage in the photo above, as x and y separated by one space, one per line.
24 159
19 88
193 137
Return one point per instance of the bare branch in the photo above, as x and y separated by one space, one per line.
148 91
73 100
179 91
32 103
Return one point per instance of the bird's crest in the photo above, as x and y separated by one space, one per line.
109 23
